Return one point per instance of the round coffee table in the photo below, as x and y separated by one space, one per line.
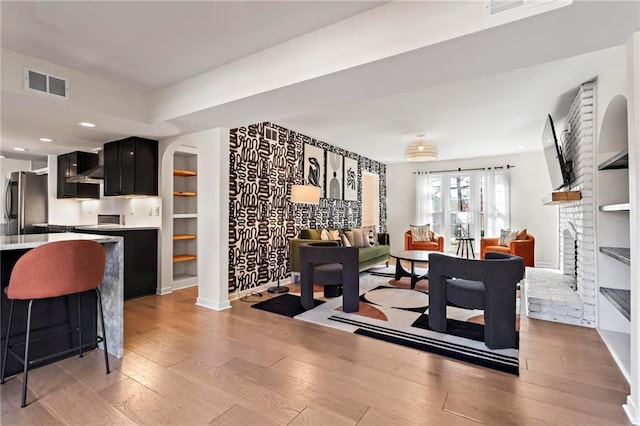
412 256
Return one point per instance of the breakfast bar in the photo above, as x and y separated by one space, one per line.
55 313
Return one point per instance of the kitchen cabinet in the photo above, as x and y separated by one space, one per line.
140 259
131 167
69 165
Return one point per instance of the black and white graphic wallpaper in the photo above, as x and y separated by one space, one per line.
261 218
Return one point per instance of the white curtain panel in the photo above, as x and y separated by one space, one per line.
423 199
497 206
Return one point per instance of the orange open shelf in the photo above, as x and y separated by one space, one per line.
183 173
183 257
184 237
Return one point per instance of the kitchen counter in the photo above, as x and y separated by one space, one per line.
113 227
112 286
29 241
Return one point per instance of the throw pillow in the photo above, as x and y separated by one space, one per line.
371 234
345 241
350 238
420 232
506 236
334 235
310 234
324 235
360 238
522 235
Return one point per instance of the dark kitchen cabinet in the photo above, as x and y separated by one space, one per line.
140 259
69 165
131 167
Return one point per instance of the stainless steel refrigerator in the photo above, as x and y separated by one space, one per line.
25 202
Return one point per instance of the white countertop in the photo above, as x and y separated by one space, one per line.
18 242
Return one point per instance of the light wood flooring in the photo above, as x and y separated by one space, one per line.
188 365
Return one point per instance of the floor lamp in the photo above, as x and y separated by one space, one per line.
300 194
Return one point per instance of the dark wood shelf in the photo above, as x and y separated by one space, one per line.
620 254
618 161
621 299
559 197
621 207
183 257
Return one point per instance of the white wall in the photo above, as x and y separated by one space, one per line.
212 148
530 183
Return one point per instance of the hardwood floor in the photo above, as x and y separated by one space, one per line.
188 365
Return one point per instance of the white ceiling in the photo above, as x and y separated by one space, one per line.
479 95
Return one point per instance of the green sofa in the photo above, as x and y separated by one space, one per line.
367 256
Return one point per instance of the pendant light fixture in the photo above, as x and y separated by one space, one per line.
421 150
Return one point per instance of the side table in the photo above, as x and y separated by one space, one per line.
464 245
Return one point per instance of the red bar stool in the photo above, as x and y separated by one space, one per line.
52 270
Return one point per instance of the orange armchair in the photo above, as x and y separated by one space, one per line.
436 243
525 248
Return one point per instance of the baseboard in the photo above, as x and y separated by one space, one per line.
164 291
632 411
546 265
238 294
210 304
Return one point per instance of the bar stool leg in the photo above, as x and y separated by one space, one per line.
6 343
80 322
25 373
104 333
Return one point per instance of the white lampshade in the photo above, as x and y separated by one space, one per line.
307 194
421 150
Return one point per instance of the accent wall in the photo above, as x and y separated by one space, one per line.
265 160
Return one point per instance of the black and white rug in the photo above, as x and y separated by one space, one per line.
389 311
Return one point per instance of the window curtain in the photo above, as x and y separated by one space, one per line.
497 206
423 199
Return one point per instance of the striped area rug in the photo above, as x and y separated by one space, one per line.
400 315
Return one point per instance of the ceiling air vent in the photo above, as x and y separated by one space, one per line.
45 83
497 6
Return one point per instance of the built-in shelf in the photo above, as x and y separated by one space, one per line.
184 173
185 216
559 197
620 254
184 193
184 237
183 257
620 298
622 207
618 161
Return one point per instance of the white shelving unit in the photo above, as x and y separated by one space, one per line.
613 231
185 219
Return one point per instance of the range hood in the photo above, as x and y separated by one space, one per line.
93 175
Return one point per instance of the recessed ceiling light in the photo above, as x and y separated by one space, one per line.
521 147
17 148
86 124
46 140
2 156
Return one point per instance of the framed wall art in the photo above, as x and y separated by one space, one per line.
350 179
334 175
314 167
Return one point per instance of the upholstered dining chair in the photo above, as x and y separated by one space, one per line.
325 263
52 270
488 284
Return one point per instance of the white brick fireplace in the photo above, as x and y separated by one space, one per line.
569 295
